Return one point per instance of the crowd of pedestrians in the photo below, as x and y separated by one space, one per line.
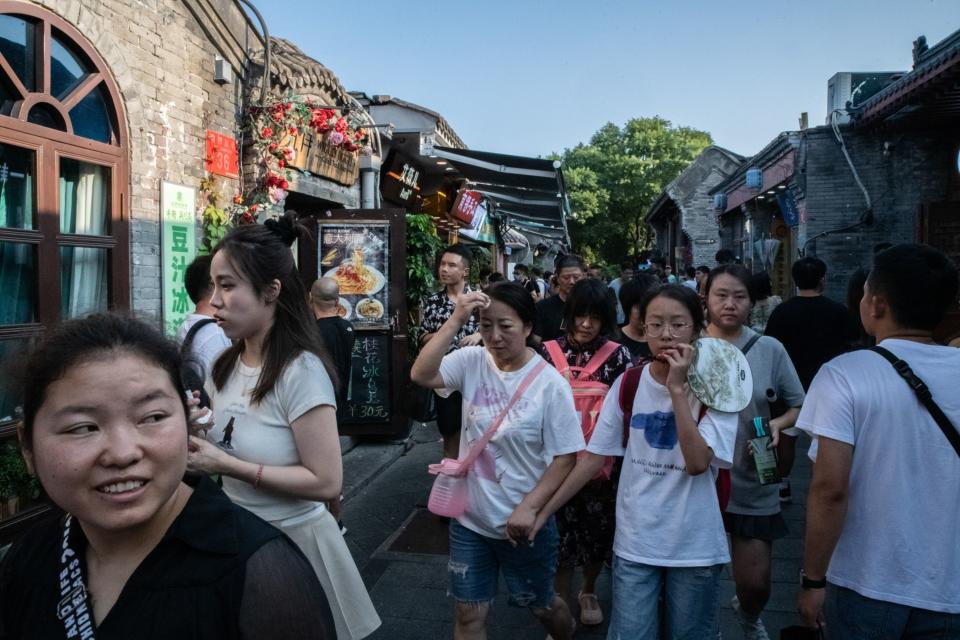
202 491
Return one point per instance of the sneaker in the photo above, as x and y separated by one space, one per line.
752 629
785 495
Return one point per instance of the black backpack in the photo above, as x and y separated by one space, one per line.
192 371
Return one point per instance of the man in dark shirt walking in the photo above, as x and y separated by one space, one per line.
814 330
549 320
337 334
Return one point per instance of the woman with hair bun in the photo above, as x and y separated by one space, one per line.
275 442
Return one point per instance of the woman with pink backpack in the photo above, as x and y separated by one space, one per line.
590 362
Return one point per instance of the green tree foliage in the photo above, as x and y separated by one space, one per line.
614 180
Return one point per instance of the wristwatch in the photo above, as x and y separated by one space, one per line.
807 583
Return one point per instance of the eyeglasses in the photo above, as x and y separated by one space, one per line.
656 329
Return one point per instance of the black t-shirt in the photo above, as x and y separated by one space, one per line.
814 330
638 350
549 322
219 572
338 337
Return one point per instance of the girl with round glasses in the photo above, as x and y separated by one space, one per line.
669 533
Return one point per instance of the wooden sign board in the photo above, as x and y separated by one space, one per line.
323 159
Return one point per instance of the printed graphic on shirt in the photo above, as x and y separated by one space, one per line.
227 441
659 428
486 404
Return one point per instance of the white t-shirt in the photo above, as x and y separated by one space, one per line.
209 341
665 516
901 536
261 433
541 425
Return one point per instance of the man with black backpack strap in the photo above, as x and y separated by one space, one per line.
881 556
200 337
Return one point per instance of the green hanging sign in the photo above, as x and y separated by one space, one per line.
178 242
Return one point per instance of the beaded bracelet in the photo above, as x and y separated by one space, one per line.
256 483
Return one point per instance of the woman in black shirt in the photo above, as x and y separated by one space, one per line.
140 553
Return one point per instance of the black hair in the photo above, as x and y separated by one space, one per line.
918 282
633 291
537 271
760 286
261 254
196 279
855 289
103 335
737 271
515 296
590 298
808 272
690 272
496 276
485 272
458 250
522 268
626 265
881 246
724 256
684 295
703 269
569 261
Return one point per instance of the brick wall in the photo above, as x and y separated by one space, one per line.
161 54
916 168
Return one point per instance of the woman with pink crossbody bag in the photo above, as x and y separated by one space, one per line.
521 435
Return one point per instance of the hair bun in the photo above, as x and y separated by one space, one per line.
284 229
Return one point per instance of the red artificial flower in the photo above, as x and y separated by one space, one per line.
282 163
351 147
341 126
284 184
267 132
238 199
293 131
272 147
288 106
278 116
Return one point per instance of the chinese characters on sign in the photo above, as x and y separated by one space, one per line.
465 207
370 379
400 182
221 155
357 256
178 248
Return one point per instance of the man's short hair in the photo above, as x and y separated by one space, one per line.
724 256
459 250
808 272
704 269
537 271
626 265
570 261
196 279
918 282
690 272
522 268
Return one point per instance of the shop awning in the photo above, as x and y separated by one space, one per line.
528 192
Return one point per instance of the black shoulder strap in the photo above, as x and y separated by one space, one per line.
924 395
192 333
752 341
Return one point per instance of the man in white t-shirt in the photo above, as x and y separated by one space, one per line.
882 557
208 341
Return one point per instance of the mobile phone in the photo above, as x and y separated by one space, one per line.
764 458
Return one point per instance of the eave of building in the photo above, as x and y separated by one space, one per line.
933 84
293 71
442 128
658 209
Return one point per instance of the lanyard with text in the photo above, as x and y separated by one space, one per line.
73 610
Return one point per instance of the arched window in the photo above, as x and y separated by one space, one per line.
63 177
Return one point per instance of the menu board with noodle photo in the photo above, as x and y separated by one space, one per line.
357 257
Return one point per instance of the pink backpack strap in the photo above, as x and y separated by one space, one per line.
557 356
601 356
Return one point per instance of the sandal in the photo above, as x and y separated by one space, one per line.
590 612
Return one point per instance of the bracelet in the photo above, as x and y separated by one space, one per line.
256 483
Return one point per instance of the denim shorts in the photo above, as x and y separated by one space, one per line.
528 569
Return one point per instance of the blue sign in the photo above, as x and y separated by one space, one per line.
788 207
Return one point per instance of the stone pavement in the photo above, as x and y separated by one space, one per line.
386 482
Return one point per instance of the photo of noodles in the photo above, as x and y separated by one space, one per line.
357 278
343 309
369 309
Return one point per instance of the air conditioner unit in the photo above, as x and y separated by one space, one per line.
855 87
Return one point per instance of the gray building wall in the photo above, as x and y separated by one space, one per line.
901 171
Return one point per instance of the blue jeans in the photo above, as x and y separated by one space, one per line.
851 616
528 569
691 596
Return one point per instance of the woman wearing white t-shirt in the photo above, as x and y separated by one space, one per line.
669 533
519 469
275 442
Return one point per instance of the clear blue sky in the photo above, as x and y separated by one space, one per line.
531 77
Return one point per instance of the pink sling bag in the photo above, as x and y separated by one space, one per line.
448 497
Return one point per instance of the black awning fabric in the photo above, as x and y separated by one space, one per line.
530 191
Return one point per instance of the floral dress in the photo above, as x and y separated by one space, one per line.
586 524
